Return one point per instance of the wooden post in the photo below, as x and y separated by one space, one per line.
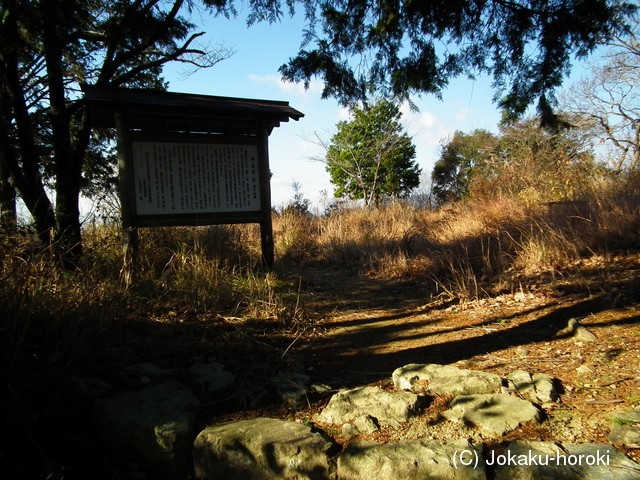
130 246
130 242
266 227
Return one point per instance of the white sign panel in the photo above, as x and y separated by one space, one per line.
178 178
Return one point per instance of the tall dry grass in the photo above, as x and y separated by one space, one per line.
472 248
466 250
50 311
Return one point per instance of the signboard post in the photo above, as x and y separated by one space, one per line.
190 160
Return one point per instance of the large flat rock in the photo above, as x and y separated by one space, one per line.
391 408
261 449
445 380
415 459
493 414
155 424
526 460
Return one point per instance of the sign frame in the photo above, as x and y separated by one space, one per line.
176 118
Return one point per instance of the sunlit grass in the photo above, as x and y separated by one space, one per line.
467 250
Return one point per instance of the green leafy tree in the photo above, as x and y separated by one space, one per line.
391 48
452 173
371 157
524 161
536 164
48 49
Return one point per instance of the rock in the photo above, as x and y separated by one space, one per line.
366 424
632 416
525 460
538 387
626 429
578 332
212 376
493 414
349 430
391 408
261 449
445 380
92 388
414 459
155 424
292 388
147 370
626 435
320 387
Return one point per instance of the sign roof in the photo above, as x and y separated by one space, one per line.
185 112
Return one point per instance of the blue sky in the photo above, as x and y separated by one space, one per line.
252 72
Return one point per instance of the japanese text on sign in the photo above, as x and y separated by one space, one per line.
179 178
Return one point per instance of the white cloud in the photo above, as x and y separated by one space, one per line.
462 114
343 114
290 88
426 128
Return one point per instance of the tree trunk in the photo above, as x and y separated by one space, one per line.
8 211
67 159
20 159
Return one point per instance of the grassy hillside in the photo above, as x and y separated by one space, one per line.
466 251
202 293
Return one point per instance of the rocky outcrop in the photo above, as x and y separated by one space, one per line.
155 424
444 379
625 429
538 387
390 408
493 414
212 376
262 449
291 387
525 460
422 459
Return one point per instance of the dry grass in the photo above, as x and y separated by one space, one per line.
465 251
473 248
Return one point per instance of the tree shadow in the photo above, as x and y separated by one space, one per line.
348 358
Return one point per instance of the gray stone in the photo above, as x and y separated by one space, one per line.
261 449
212 376
445 380
366 424
626 429
391 408
631 416
525 460
349 430
415 459
493 414
292 388
92 388
627 435
147 370
579 332
539 387
155 425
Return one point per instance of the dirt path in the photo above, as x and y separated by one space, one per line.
371 327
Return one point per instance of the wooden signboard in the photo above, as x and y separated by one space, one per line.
195 178
190 159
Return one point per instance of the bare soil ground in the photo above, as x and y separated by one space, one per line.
373 327
359 330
